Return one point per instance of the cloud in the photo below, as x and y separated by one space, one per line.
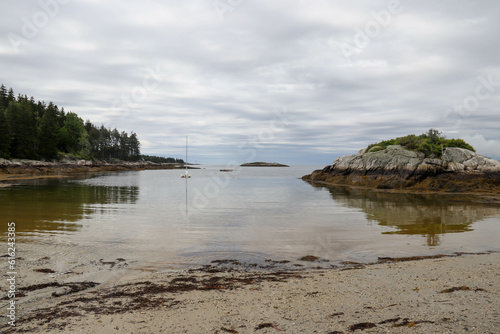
221 81
483 146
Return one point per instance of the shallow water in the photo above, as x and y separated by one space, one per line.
160 220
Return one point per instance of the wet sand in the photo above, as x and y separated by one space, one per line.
60 291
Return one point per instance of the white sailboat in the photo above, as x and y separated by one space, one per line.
186 174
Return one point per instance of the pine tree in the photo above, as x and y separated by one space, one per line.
104 143
124 146
10 96
22 124
3 98
5 136
115 143
93 138
135 151
48 133
12 117
31 130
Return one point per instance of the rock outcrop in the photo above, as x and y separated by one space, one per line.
395 167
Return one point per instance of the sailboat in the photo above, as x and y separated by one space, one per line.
186 174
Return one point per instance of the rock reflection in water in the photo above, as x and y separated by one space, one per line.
55 206
429 215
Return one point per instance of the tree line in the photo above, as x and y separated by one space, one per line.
431 143
32 129
160 160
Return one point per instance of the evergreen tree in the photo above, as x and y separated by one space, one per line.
115 144
22 124
135 151
61 116
10 96
93 138
84 145
31 130
40 108
11 116
124 146
3 98
48 133
104 143
5 136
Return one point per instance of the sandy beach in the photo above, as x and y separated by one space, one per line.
440 294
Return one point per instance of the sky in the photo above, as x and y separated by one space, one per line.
289 81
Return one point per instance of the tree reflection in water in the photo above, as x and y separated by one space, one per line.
57 205
429 215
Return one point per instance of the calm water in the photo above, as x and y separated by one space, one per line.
251 214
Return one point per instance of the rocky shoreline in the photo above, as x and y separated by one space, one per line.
12 169
396 168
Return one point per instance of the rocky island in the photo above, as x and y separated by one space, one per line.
263 164
395 164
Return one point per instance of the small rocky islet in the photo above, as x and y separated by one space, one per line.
456 170
263 164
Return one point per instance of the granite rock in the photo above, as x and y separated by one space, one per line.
457 170
398 161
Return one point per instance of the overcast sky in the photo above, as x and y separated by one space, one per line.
291 81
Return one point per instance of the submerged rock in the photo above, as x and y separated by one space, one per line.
398 168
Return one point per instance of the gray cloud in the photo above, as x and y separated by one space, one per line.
167 69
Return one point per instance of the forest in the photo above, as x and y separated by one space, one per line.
35 130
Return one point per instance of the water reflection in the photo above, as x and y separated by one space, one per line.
429 215
56 205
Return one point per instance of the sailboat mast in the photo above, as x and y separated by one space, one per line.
186 175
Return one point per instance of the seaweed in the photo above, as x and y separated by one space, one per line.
461 288
362 326
227 261
394 320
44 270
336 314
40 286
411 258
265 325
135 296
309 258
456 288
73 287
406 322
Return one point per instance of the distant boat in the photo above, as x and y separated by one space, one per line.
226 170
186 174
